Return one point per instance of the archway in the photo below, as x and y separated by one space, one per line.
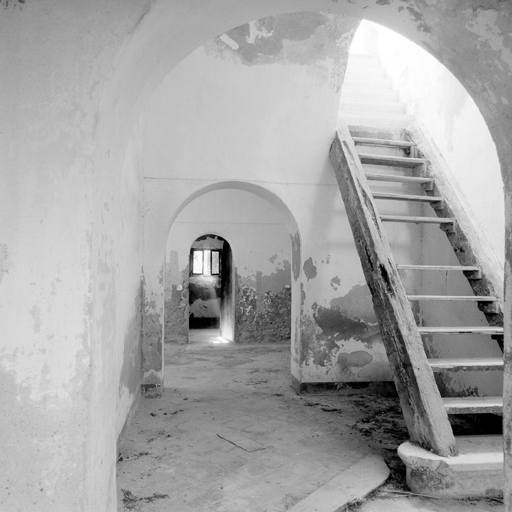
258 303
211 293
472 55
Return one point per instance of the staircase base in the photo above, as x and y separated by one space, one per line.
477 471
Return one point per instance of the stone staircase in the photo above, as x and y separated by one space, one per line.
391 196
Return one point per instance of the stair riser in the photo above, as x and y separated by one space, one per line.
409 163
388 151
362 73
460 331
467 368
418 199
368 85
475 410
356 94
393 122
370 108
364 60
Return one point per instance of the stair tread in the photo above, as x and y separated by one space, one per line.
355 93
466 362
406 197
383 142
362 81
408 218
461 330
391 177
353 103
377 120
356 71
394 161
477 298
438 267
473 404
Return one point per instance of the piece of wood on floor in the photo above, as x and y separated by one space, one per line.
242 442
355 483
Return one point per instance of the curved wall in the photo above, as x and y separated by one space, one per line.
77 76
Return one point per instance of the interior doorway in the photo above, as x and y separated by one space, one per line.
211 295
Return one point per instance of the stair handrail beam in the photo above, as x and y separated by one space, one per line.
424 412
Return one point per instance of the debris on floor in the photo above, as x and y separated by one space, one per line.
191 450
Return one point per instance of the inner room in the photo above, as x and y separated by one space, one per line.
240 288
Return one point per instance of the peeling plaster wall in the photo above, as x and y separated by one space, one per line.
130 294
261 252
76 77
340 335
260 103
67 380
266 120
472 39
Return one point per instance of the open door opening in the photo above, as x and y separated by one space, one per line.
227 296
211 295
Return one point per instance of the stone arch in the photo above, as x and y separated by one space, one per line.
463 40
154 263
245 186
472 40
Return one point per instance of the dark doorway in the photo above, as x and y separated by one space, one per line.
211 296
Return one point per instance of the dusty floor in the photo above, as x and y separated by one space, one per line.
230 435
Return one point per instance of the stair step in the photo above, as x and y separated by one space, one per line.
361 72
406 197
454 364
476 471
371 106
365 84
465 298
376 120
364 59
401 144
416 220
391 161
490 330
376 132
355 93
401 179
474 405
438 267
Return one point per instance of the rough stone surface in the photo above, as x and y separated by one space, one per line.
476 471
263 321
353 484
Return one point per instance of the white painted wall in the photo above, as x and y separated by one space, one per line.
254 229
69 365
75 77
267 121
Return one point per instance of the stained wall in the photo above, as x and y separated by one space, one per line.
76 77
261 247
70 361
264 99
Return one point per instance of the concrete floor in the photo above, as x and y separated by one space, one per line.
230 435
